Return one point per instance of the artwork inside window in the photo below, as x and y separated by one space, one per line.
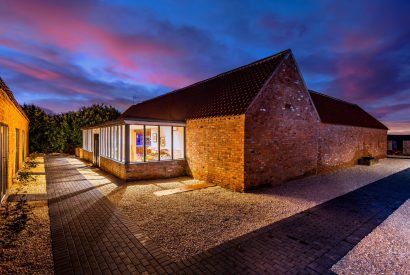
178 139
151 143
137 143
165 142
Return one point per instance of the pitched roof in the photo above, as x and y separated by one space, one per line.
10 95
229 93
335 111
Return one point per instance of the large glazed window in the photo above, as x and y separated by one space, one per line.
146 142
151 140
179 142
137 143
165 142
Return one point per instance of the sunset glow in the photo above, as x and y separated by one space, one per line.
62 55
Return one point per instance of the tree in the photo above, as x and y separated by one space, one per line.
62 132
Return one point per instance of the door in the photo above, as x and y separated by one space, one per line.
96 158
17 164
3 160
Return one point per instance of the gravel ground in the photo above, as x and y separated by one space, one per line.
188 223
31 253
384 251
36 187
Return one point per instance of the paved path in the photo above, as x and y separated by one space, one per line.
90 234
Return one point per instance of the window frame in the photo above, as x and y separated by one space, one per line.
159 143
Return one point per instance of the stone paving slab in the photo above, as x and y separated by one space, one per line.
186 188
90 235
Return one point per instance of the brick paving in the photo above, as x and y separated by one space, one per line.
90 235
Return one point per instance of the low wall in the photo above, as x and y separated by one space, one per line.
113 167
144 171
84 154
156 170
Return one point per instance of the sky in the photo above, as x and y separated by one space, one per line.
61 55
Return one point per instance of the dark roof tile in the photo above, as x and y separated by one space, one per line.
229 93
335 111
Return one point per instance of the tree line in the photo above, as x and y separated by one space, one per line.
61 133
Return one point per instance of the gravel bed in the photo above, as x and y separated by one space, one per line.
188 223
31 253
35 187
384 251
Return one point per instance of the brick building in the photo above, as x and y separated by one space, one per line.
13 137
398 144
254 125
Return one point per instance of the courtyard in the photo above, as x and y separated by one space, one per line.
100 224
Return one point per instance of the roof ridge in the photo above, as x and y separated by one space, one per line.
332 97
220 75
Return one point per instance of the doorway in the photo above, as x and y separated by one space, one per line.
17 164
96 151
4 142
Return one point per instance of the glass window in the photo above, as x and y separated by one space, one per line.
123 143
136 143
115 142
165 142
152 142
178 139
105 141
110 141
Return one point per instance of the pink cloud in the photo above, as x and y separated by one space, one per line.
38 73
398 128
69 29
172 80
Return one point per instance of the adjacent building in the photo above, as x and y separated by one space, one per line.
251 126
13 138
399 144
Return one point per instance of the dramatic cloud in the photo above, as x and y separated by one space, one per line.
65 54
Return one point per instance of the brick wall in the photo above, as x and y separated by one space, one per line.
84 154
406 147
14 118
341 146
215 150
89 156
281 130
113 167
144 171
156 170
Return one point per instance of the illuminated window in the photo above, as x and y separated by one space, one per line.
136 143
179 142
151 143
165 142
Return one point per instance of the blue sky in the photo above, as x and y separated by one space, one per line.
62 55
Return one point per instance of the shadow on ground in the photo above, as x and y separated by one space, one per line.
88 233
